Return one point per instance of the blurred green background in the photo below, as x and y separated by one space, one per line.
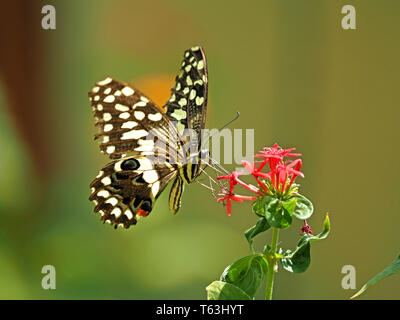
298 79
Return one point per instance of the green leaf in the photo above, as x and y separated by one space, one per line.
393 268
246 273
261 226
219 290
290 205
304 208
277 215
299 260
259 207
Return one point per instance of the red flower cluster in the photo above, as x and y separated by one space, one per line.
306 228
277 181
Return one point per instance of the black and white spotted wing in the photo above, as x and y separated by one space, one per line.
125 190
129 122
187 105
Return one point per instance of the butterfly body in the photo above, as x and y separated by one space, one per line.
155 138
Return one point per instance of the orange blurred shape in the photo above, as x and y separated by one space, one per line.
157 88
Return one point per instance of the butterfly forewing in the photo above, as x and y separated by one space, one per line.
187 105
129 122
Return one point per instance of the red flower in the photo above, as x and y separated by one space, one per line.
285 171
277 181
306 228
274 156
253 170
256 173
234 197
233 181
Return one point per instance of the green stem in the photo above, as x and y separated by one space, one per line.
271 264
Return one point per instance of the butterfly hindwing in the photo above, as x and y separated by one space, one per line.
175 194
127 189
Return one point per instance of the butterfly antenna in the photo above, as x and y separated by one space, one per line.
233 120
207 139
217 166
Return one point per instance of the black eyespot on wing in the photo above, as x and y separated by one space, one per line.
146 205
130 164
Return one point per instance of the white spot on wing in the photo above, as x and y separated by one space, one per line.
150 176
128 214
110 149
107 116
155 117
179 114
134 134
200 65
129 125
100 174
113 201
109 99
145 164
105 81
145 145
139 104
103 193
199 100
192 94
106 181
127 91
116 212
121 107
124 115
108 127
155 187
139 115
117 166
182 102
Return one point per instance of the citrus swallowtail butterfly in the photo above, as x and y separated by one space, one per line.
130 123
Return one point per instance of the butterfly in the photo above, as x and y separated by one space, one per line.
126 189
